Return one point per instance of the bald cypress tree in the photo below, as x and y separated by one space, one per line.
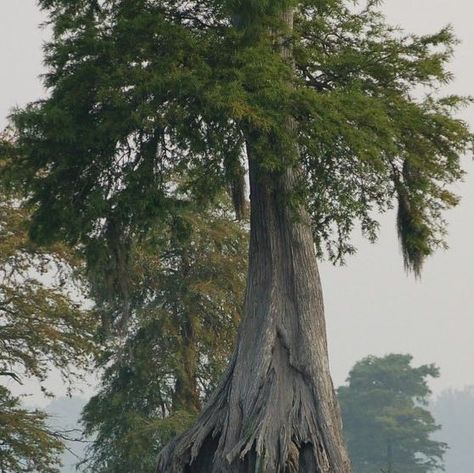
321 102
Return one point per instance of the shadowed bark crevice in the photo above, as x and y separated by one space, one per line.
306 461
205 459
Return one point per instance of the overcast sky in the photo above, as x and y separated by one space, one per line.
372 306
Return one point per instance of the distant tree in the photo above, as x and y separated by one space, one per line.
454 410
41 326
186 288
387 423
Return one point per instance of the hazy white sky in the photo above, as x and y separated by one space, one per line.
372 306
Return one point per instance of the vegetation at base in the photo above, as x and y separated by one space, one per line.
187 290
387 423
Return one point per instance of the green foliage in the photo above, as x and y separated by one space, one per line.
41 326
142 90
150 105
185 290
386 421
26 443
369 127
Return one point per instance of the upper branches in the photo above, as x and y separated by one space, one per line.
374 129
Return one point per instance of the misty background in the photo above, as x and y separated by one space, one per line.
372 306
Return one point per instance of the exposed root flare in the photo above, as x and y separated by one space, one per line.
278 432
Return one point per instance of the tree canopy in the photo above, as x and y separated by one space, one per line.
27 443
168 327
140 90
386 419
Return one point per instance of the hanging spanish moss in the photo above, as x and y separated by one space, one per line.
413 232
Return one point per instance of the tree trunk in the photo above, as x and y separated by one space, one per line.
186 392
276 410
